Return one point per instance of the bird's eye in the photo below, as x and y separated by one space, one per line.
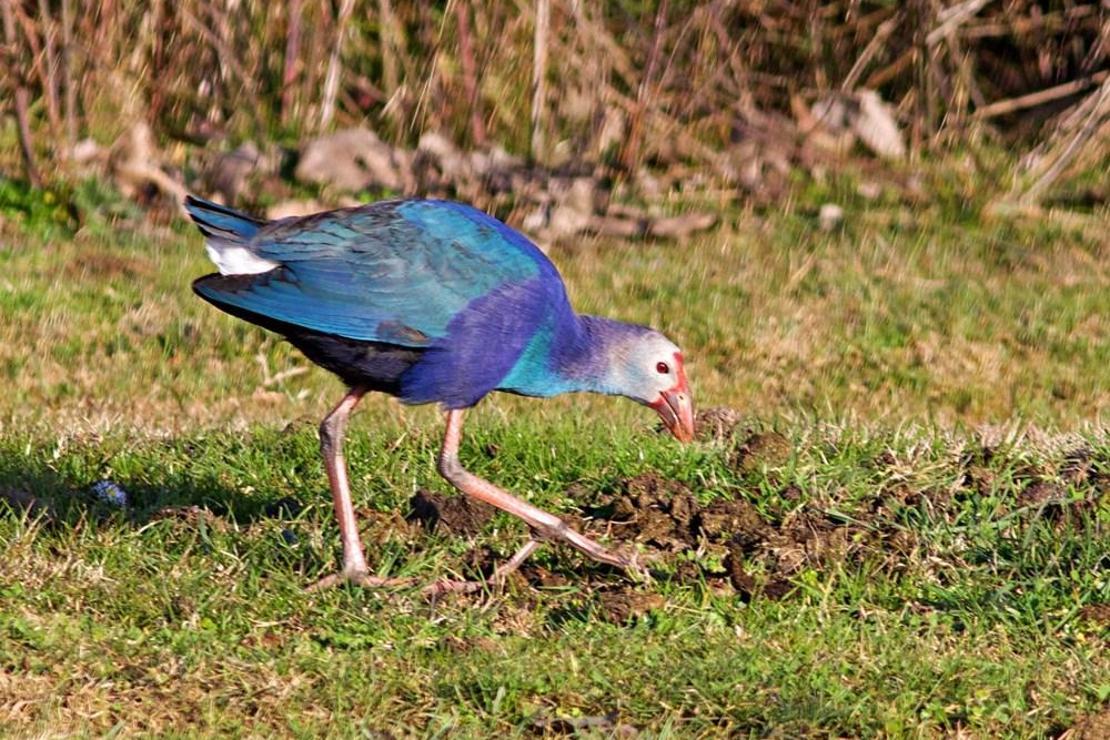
662 368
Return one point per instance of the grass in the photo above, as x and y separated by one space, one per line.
939 386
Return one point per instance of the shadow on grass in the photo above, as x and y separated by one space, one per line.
60 493
65 495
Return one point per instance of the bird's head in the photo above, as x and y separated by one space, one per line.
649 369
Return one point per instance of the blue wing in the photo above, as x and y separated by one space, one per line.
397 272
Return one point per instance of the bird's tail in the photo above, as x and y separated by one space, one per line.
227 235
220 222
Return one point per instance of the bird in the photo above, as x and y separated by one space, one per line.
432 301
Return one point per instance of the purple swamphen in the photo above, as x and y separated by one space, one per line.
431 301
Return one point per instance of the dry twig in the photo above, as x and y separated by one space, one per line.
331 81
539 77
1003 107
21 97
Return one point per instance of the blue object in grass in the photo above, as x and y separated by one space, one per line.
111 493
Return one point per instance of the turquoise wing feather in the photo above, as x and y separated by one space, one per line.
396 272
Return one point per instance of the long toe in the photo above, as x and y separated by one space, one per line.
448 586
359 578
496 581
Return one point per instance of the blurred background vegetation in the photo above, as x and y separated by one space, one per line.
742 99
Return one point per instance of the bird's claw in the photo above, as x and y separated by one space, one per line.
635 567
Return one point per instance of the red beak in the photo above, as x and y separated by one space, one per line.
676 408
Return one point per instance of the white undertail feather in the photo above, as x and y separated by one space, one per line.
235 259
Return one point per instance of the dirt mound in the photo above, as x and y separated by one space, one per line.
745 550
1098 614
1079 468
755 553
651 510
622 605
1091 727
664 515
454 514
716 423
1042 493
767 449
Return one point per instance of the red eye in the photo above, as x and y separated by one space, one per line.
662 368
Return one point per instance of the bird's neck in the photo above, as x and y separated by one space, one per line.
569 353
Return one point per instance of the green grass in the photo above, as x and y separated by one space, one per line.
929 374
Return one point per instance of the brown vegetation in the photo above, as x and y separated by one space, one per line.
734 92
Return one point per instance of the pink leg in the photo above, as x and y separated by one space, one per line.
331 445
547 526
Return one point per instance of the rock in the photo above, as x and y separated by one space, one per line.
501 160
135 164
830 113
494 168
650 186
229 171
437 145
86 151
352 159
566 220
619 226
536 220
582 195
870 190
830 216
500 170
679 227
574 203
440 168
873 122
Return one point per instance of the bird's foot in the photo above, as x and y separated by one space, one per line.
359 578
636 567
496 581
632 563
